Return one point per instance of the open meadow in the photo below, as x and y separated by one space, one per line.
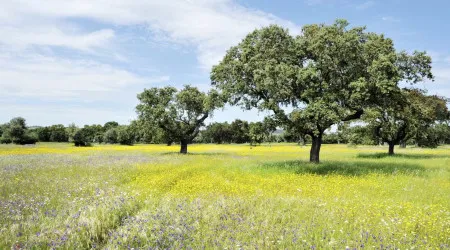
223 197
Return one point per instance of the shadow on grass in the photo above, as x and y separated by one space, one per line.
202 153
356 168
404 156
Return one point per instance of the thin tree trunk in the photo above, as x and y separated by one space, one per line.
403 144
391 148
184 145
314 154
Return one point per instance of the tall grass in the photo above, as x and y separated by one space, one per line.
223 196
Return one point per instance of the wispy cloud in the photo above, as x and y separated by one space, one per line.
48 56
390 19
53 78
41 35
211 26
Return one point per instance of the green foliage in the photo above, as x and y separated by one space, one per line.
434 135
412 115
5 140
240 131
360 135
110 125
329 74
83 137
125 135
71 130
217 133
43 134
17 132
257 133
149 133
58 133
110 136
179 113
94 132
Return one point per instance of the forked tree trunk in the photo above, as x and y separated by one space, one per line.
314 154
391 148
184 144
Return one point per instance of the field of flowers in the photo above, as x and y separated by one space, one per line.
223 197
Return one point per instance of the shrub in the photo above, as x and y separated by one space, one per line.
110 136
17 132
27 138
82 138
125 135
4 140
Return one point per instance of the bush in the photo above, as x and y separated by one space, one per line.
110 136
17 132
125 135
4 140
82 138
27 138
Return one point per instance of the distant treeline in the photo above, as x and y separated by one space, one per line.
238 132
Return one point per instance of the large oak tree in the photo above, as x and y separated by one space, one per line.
326 75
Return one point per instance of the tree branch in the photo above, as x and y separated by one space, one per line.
354 116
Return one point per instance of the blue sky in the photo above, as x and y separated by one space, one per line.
84 61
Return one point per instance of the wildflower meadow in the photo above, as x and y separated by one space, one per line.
223 197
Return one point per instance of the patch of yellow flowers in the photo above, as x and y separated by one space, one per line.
397 208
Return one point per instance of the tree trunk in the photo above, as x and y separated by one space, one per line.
314 154
169 143
183 149
391 148
403 144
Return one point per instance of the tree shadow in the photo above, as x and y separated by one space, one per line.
404 156
189 153
356 168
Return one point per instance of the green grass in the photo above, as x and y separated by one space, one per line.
223 196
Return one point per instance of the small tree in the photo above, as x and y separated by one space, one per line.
58 133
16 131
125 135
180 114
110 125
413 114
217 132
110 136
83 138
43 134
71 130
240 131
257 133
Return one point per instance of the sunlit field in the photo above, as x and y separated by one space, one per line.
223 197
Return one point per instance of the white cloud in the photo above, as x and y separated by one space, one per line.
54 78
33 71
211 26
53 36
390 19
